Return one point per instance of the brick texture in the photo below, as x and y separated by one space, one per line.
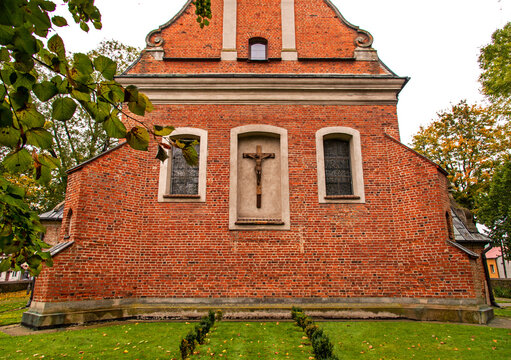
129 245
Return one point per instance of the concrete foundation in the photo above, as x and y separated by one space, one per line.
49 315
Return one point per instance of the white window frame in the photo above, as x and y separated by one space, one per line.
166 166
357 178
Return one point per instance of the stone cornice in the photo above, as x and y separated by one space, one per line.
270 89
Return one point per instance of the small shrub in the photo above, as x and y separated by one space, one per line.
317 333
300 319
205 323
211 316
322 347
310 330
219 315
200 334
184 348
295 310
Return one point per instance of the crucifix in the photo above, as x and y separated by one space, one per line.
259 156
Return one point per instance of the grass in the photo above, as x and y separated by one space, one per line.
506 312
255 340
12 306
407 340
129 341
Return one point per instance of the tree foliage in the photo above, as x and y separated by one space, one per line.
495 207
495 61
28 42
468 141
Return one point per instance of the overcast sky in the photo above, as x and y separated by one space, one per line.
436 43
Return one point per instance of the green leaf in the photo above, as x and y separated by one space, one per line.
5 116
6 34
190 155
45 90
19 98
163 130
138 138
105 66
114 127
47 5
4 54
84 26
30 117
39 18
5 264
162 154
63 109
83 64
56 45
39 137
25 80
24 41
59 21
10 13
142 105
9 136
80 96
130 93
18 161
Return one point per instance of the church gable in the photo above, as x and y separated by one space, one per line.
300 36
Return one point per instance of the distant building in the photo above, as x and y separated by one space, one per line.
497 266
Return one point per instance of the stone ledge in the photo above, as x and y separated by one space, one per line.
51 318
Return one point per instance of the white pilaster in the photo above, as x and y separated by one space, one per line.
288 30
229 51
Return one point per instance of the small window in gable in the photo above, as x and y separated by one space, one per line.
258 49
339 161
180 182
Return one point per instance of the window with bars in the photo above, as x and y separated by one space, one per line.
184 177
337 167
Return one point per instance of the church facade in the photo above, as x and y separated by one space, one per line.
303 193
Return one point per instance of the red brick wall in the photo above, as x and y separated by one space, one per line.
52 235
129 245
319 33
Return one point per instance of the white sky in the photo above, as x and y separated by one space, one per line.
435 42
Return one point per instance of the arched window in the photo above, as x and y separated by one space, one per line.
180 182
258 49
67 231
339 160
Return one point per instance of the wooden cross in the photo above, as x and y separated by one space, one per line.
259 156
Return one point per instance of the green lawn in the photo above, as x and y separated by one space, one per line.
255 340
506 312
407 340
12 306
128 341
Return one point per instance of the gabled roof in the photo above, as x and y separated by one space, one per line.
494 253
465 230
55 214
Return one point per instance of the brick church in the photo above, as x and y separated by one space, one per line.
303 193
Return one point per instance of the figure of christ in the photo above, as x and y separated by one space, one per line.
259 156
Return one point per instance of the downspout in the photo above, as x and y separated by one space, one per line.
487 276
32 286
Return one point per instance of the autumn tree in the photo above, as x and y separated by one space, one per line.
469 141
29 36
